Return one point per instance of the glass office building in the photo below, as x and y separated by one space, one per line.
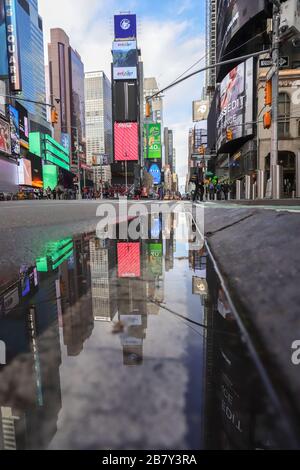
31 43
98 115
77 97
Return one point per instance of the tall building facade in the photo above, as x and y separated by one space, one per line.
66 76
31 43
236 134
25 82
211 45
169 147
98 115
150 88
127 86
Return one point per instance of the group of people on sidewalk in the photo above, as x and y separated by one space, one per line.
210 191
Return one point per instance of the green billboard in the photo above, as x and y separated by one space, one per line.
152 141
50 176
156 258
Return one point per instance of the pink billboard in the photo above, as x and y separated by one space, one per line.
126 141
129 260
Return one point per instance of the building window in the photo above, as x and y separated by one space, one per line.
25 5
284 112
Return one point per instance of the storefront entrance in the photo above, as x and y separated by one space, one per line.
288 162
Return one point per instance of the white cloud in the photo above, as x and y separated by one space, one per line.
167 51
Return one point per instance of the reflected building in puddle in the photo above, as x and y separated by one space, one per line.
30 394
75 289
103 272
240 414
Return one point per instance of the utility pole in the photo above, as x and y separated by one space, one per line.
274 168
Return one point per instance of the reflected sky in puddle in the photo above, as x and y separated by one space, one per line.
122 344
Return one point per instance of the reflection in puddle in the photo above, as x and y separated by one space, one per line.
127 344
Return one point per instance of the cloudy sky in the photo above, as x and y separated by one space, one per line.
171 34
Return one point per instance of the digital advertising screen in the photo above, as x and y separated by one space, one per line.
152 135
155 172
125 101
129 259
125 26
66 141
36 171
4 137
2 97
235 104
156 258
50 176
14 130
232 16
125 59
23 126
126 141
25 172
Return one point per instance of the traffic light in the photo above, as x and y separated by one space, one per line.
267 120
148 109
268 93
229 134
54 116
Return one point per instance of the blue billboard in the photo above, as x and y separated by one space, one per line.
125 26
155 172
12 41
65 141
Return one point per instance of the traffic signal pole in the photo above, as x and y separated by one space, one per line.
274 169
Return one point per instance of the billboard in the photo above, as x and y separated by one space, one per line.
232 16
129 262
65 141
23 126
12 41
14 130
125 26
36 171
125 101
50 176
125 59
200 110
3 50
155 172
156 258
2 96
126 141
25 172
152 136
235 104
4 137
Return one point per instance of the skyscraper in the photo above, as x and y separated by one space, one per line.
211 45
98 115
150 88
31 45
66 75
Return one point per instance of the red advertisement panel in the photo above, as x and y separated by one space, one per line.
126 141
129 261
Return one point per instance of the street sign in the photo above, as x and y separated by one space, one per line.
284 62
264 63
268 62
